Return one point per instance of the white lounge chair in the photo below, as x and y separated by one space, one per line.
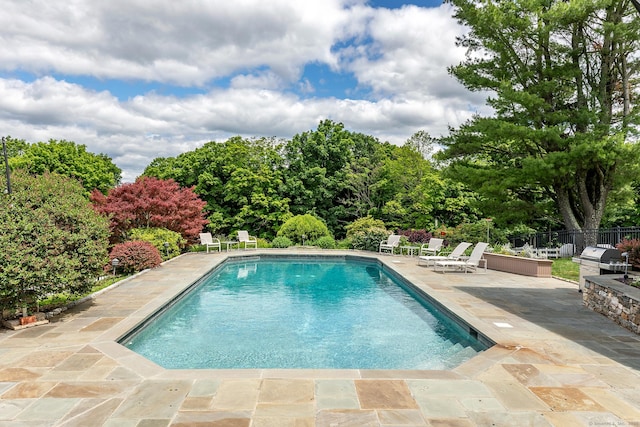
434 246
243 237
390 244
457 252
207 240
469 264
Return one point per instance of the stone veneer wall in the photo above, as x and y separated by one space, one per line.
617 301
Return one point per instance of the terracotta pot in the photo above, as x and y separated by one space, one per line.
28 319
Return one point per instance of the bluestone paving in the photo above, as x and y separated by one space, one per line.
555 363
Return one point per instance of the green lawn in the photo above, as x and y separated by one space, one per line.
59 300
566 269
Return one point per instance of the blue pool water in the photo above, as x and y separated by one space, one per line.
302 313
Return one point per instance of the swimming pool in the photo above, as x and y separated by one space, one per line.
303 312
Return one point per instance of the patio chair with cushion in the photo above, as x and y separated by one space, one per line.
469 264
243 237
207 240
457 252
390 244
432 248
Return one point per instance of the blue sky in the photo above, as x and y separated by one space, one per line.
137 80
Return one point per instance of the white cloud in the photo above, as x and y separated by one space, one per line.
411 50
185 43
259 48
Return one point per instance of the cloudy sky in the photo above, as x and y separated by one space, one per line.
140 79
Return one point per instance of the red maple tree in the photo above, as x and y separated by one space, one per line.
152 202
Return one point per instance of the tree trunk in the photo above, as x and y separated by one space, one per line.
565 207
592 210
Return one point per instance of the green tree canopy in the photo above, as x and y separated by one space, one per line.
15 147
413 194
94 171
563 78
320 168
331 173
240 179
51 238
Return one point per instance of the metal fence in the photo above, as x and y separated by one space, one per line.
579 238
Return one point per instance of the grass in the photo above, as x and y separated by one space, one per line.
62 299
566 269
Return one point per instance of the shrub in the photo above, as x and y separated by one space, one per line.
364 224
262 243
344 244
366 233
416 236
51 239
472 232
504 249
134 256
369 240
325 242
281 242
158 237
307 225
632 247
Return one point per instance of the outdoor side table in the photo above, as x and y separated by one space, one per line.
230 244
411 250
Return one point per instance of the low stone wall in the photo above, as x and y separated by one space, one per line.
519 265
617 301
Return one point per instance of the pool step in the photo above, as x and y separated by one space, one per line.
458 353
454 355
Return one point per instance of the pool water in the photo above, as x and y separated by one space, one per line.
309 313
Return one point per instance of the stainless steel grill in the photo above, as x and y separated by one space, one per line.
600 255
595 261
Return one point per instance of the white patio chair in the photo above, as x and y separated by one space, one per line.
207 240
243 237
390 244
432 248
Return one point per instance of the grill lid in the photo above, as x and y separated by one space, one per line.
601 255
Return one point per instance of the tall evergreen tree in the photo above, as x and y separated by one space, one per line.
563 81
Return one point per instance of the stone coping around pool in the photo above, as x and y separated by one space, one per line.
111 339
556 363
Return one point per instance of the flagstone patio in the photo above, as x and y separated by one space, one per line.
556 363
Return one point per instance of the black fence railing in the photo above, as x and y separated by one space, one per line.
579 238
